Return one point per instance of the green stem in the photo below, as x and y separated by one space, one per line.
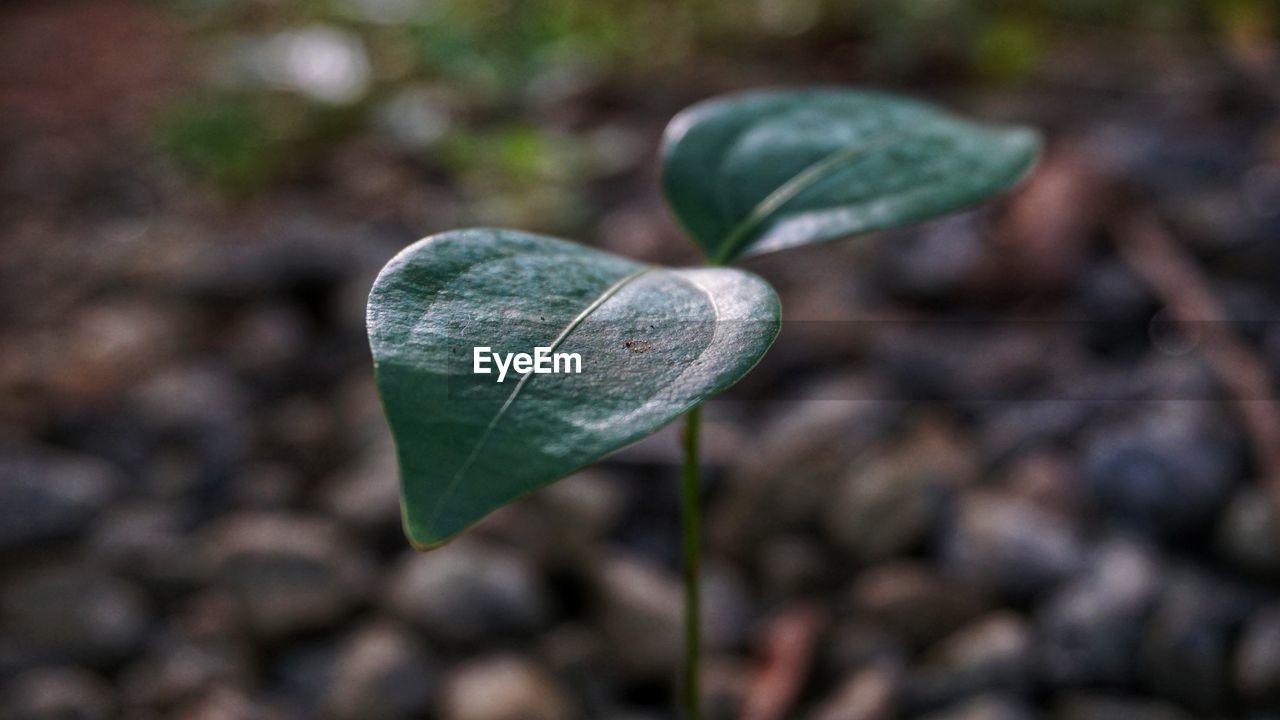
692 521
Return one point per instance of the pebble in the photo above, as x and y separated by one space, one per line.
1010 545
1185 652
887 504
195 421
727 608
179 669
909 600
642 610
1164 477
367 496
986 707
1089 629
932 261
382 673
150 542
60 693
1249 533
503 688
227 703
74 614
992 654
50 496
851 646
1093 706
1257 661
288 573
866 695
469 592
792 564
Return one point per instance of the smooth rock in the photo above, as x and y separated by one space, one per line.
65 693
228 703
1186 649
727 608
932 261
469 592
196 419
503 688
1249 533
46 496
992 654
366 497
851 646
148 541
1089 630
986 707
180 669
1092 706
1010 545
1257 659
1166 476
381 673
867 695
73 614
887 504
642 614
910 601
288 573
793 564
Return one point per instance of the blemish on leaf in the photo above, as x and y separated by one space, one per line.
639 347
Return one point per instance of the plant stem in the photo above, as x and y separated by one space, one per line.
691 516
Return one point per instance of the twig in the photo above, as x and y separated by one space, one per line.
1149 249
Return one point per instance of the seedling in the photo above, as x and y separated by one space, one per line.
745 174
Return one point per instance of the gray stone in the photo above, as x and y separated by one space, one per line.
887 503
367 496
866 695
381 673
503 688
910 601
1249 533
1089 629
66 693
1186 648
727 608
642 616
45 497
986 707
149 542
993 654
469 592
1166 476
180 669
1092 706
228 703
73 614
288 573
1257 660
1010 545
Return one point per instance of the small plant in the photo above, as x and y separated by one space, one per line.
745 174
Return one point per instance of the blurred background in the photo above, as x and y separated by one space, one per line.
1009 464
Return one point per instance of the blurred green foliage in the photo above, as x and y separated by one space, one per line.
496 62
224 140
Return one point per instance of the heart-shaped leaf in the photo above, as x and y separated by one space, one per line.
652 343
763 171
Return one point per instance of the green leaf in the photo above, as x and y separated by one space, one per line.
762 171
653 343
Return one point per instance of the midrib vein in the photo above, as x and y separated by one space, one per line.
515 392
789 190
